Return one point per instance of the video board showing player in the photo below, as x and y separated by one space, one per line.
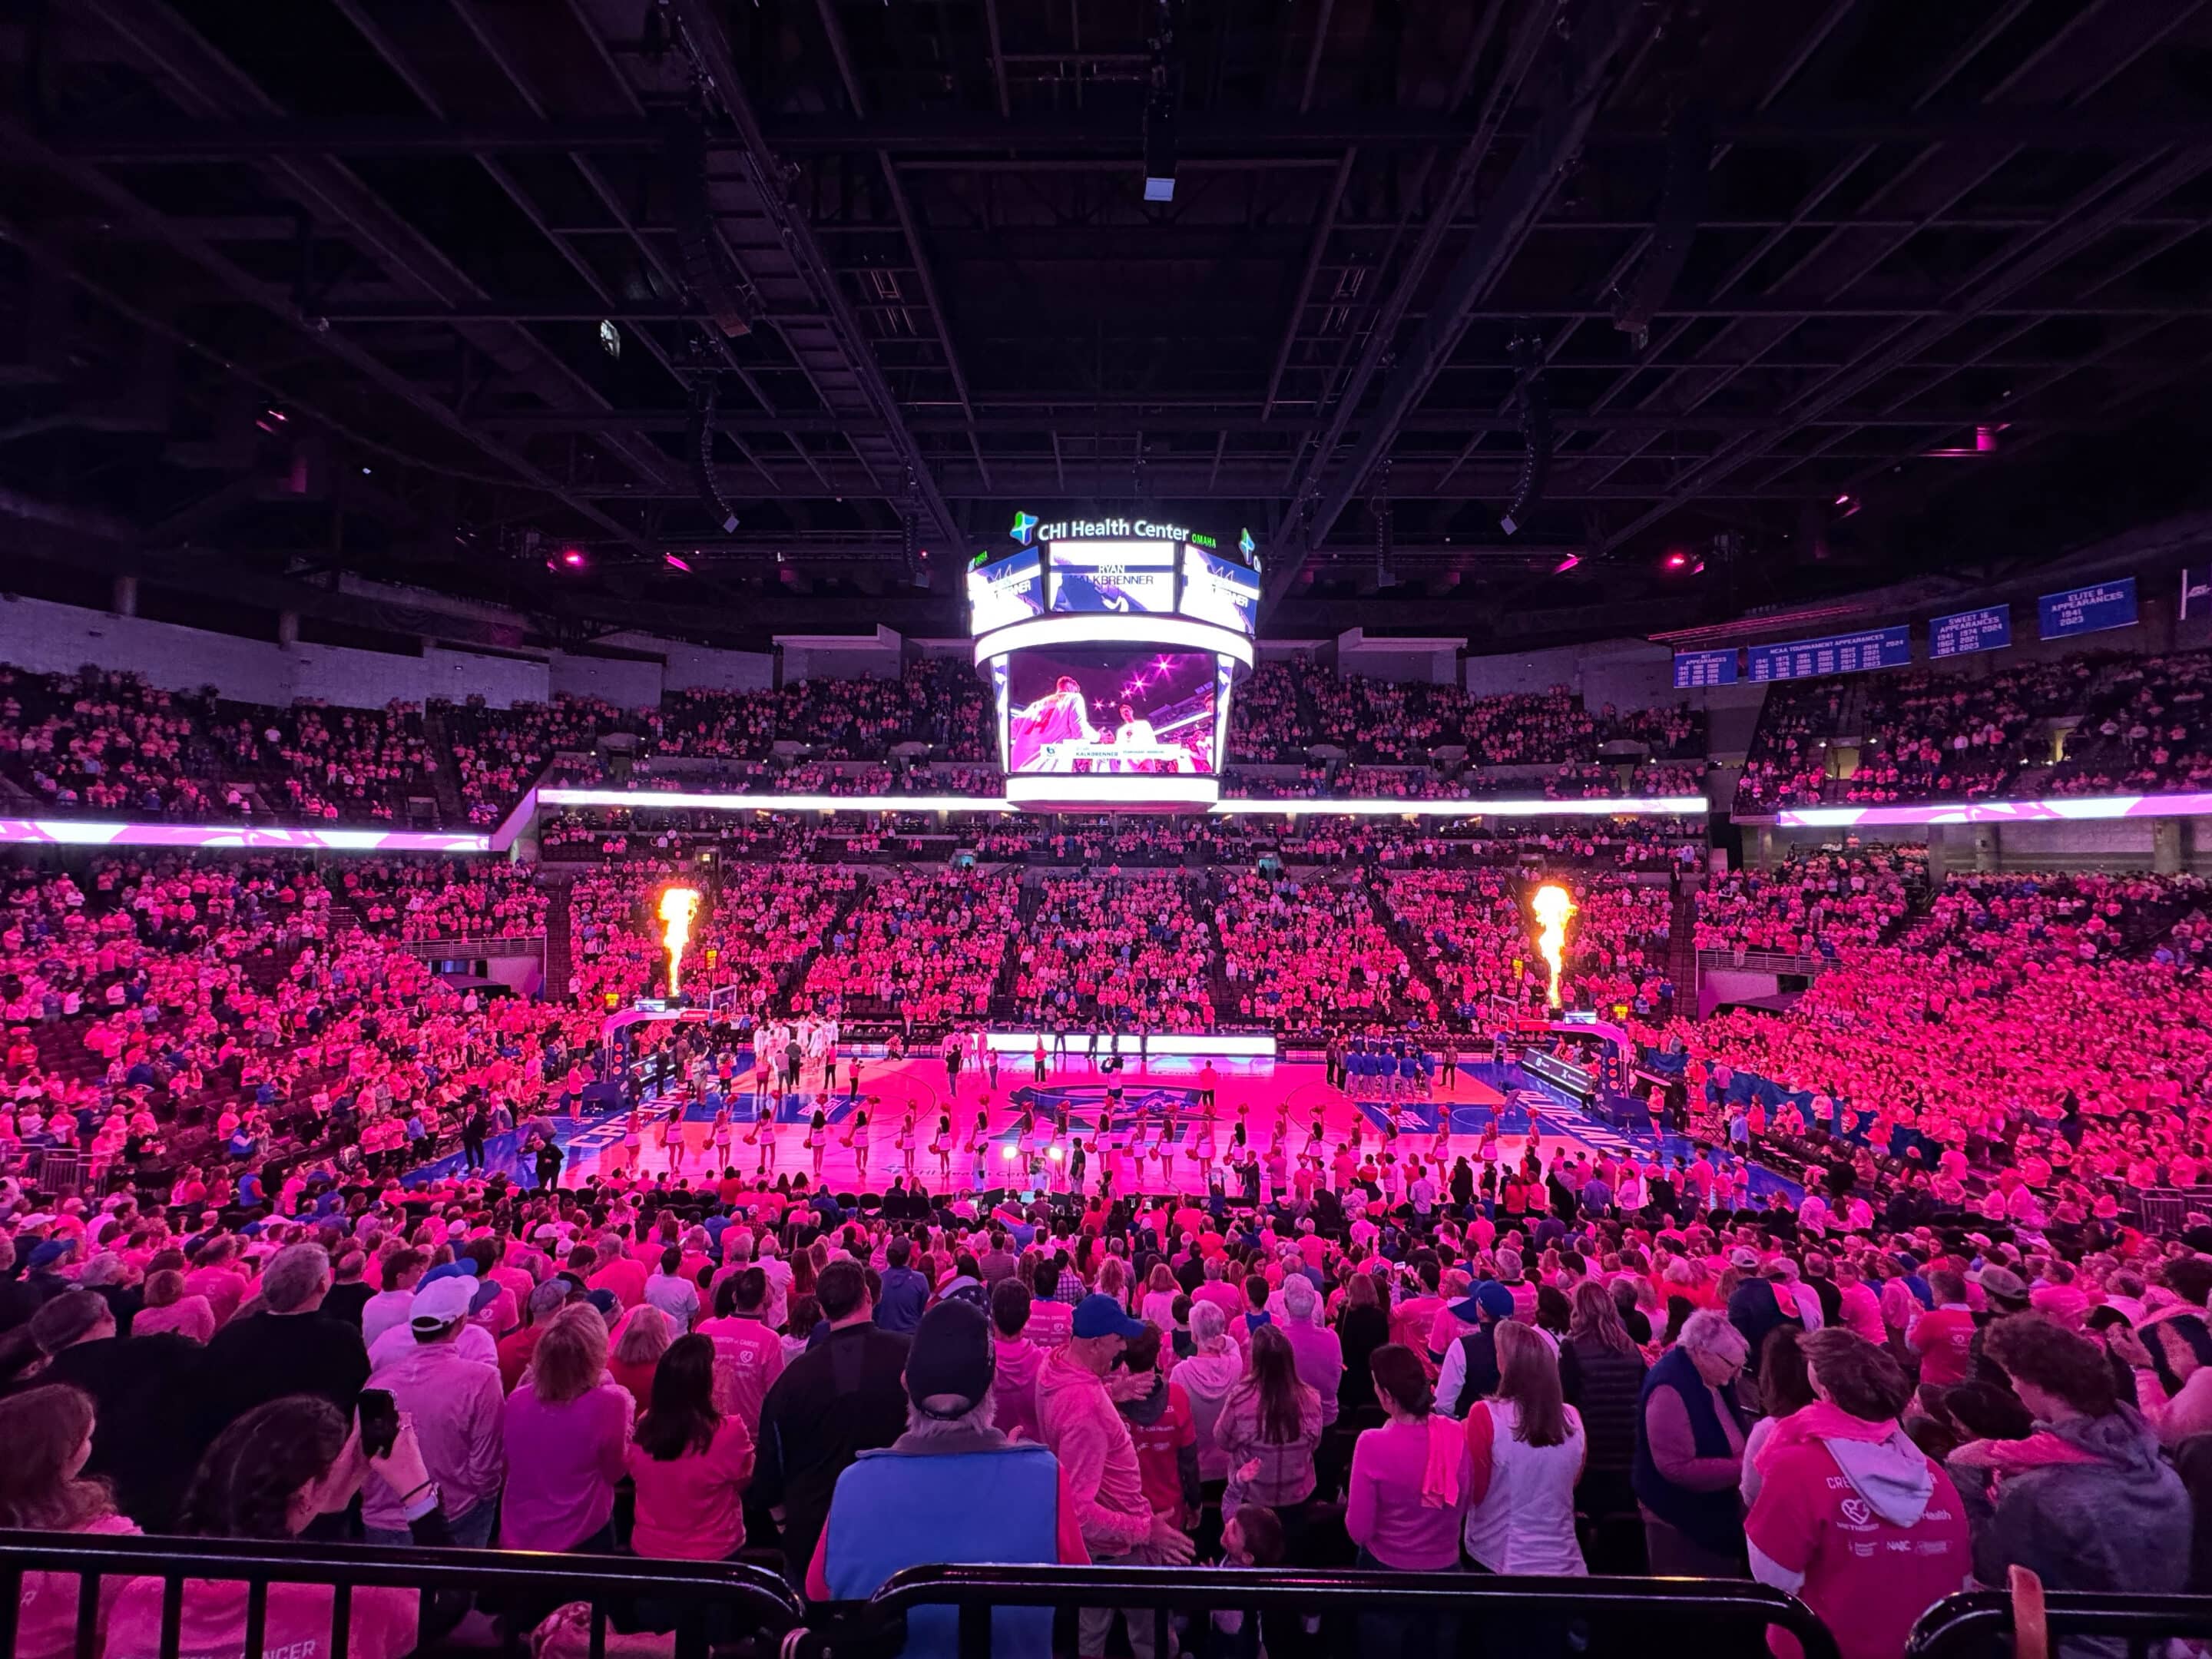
1131 577
1220 591
1010 590
1112 710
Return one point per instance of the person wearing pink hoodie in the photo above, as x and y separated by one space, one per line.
1852 1516
1084 1430
1014 1382
1206 1378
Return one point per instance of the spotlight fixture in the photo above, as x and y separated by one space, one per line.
1566 564
572 557
610 339
676 561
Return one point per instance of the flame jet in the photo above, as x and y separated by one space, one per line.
678 906
1552 905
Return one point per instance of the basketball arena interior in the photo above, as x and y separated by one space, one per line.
1214 828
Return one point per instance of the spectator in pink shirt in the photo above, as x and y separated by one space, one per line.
455 1405
1013 1382
1407 1498
48 1435
748 1353
267 1476
568 1434
169 1308
689 1461
217 1280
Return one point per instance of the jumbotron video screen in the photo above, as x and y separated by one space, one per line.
1112 709
1113 647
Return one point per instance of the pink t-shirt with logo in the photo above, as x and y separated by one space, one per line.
299 1621
748 1358
46 1623
1868 1578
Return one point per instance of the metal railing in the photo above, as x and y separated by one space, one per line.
2031 1624
1723 1618
490 944
707 1603
1767 961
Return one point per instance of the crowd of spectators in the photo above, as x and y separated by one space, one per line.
1450 1354
96 741
1817 905
1475 937
923 946
2129 725
499 753
1353 1367
2022 1019
2145 729
1308 955
1284 710
1128 952
430 898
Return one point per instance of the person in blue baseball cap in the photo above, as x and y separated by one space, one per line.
1470 1365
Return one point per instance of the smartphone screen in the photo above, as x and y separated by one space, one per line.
379 1422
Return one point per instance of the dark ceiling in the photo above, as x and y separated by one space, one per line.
1813 294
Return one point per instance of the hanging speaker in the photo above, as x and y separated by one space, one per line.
712 281
700 450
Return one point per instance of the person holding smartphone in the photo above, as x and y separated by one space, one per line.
454 1403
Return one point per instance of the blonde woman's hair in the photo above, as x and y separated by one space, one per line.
645 1337
571 1357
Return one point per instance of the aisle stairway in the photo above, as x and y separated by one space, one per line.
1407 939
1682 946
446 775
559 964
795 975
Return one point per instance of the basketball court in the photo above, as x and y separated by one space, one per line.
1160 1104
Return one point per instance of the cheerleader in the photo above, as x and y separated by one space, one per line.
856 1137
1440 1146
942 1145
672 1136
904 1142
763 1136
720 1136
817 1141
633 1139
979 1142
1487 1149
1201 1152
1163 1155
1315 1142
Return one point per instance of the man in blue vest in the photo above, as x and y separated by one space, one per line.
951 1489
1691 1427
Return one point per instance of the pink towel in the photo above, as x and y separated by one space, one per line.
1440 1475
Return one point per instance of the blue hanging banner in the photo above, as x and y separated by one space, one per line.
1965 631
1696 668
2091 609
1840 653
